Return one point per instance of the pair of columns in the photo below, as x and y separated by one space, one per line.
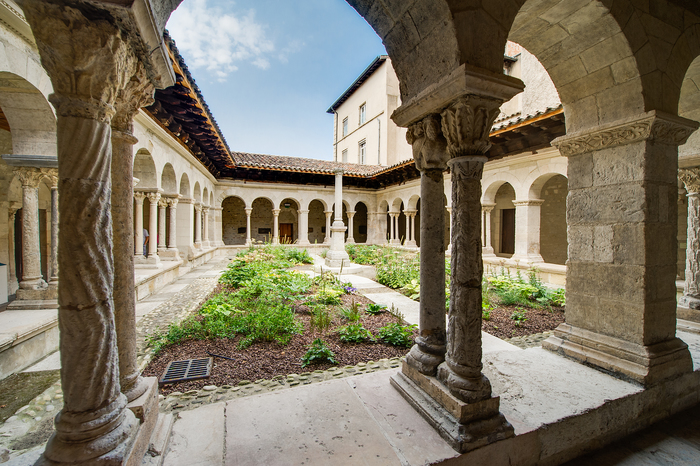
527 230
410 216
201 226
32 284
303 226
156 228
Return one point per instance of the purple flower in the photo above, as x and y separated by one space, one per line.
349 289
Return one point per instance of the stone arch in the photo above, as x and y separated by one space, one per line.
413 202
588 57
261 220
197 192
29 115
211 199
493 184
360 222
684 73
396 204
233 221
205 196
538 179
145 170
168 180
288 220
185 186
317 221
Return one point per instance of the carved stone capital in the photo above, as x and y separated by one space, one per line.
303 212
466 124
652 126
276 212
86 79
487 207
139 197
51 174
171 201
137 93
350 213
198 208
690 178
163 202
30 177
205 210
428 144
328 213
467 168
153 197
528 202
249 211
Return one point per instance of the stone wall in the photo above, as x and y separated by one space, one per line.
317 223
234 221
260 220
553 241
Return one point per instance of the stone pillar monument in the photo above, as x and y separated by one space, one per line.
32 284
337 254
248 240
303 239
689 303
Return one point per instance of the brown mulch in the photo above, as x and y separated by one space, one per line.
541 320
264 360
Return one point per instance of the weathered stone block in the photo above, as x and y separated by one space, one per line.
605 53
591 84
568 71
603 243
629 244
624 70
580 243
607 204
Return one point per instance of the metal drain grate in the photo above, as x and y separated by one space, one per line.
189 369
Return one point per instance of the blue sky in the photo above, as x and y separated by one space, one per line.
269 69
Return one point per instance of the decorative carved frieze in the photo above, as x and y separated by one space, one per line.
653 127
690 178
428 144
466 124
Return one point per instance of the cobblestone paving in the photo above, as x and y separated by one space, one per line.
192 399
529 341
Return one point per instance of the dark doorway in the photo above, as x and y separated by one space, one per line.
286 233
508 231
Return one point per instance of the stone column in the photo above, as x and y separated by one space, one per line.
527 231
622 230
198 225
351 227
303 239
52 174
275 226
162 217
449 246
185 221
172 240
487 250
336 255
31 280
248 240
690 301
206 226
89 61
430 153
12 212
327 239
138 224
411 232
139 92
407 218
154 199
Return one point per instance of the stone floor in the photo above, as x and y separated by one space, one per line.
352 415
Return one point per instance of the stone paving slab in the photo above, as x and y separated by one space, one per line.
322 424
198 437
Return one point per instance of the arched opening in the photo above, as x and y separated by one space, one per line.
503 221
145 170
288 221
168 180
360 223
234 221
185 186
261 220
317 222
553 239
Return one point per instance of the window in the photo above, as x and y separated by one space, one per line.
363 113
363 151
345 156
345 126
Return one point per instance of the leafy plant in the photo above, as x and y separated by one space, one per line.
374 309
329 296
396 334
412 289
354 333
321 318
351 313
299 256
518 316
317 353
398 315
486 314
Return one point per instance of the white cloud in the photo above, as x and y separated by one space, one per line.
218 41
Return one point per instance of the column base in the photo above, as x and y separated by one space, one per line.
488 252
526 259
410 244
145 408
337 258
36 284
304 242
465 426
687 313
169 254
150 262
645 365
350 241
49 293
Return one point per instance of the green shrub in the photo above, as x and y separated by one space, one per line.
412 289
354 333
318 353
374 309
299 256
321 318
351 313
396 334
518 316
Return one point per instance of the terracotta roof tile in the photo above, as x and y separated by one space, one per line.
298 164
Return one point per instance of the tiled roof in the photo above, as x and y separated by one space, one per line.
511 121
298 164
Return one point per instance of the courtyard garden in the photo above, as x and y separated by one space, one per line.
270 316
